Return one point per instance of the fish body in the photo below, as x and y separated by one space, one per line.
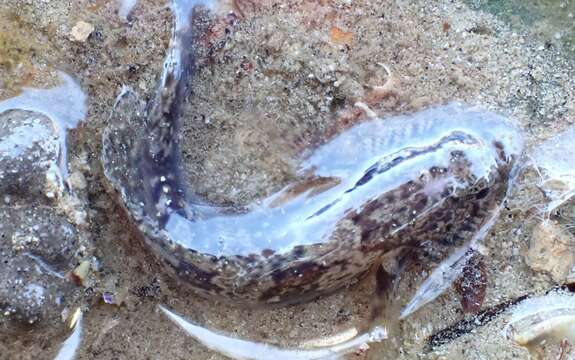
428 180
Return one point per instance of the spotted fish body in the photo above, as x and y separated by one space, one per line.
429 180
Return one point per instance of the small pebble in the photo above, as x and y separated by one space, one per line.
108 297
81 31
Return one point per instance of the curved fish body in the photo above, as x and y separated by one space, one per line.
431 179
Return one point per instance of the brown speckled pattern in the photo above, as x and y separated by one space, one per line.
141 159
392 220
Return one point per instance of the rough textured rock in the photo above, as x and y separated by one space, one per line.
551 250
29 147
81 31
37 247
38 243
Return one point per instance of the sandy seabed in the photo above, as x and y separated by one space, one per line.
273 75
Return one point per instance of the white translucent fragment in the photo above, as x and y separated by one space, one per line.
125 8
71 345
250 350
440 279
540 320
65 105
555 160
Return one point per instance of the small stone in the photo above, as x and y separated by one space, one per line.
81 31
341 37
78 181
108 297
551 250
362 349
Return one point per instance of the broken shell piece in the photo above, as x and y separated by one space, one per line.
69 347
74 318
543 324
551 250
80 273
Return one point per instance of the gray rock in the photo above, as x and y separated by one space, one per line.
37 247
29 148
38 243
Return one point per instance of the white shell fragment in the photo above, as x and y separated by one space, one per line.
71 345
543 324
